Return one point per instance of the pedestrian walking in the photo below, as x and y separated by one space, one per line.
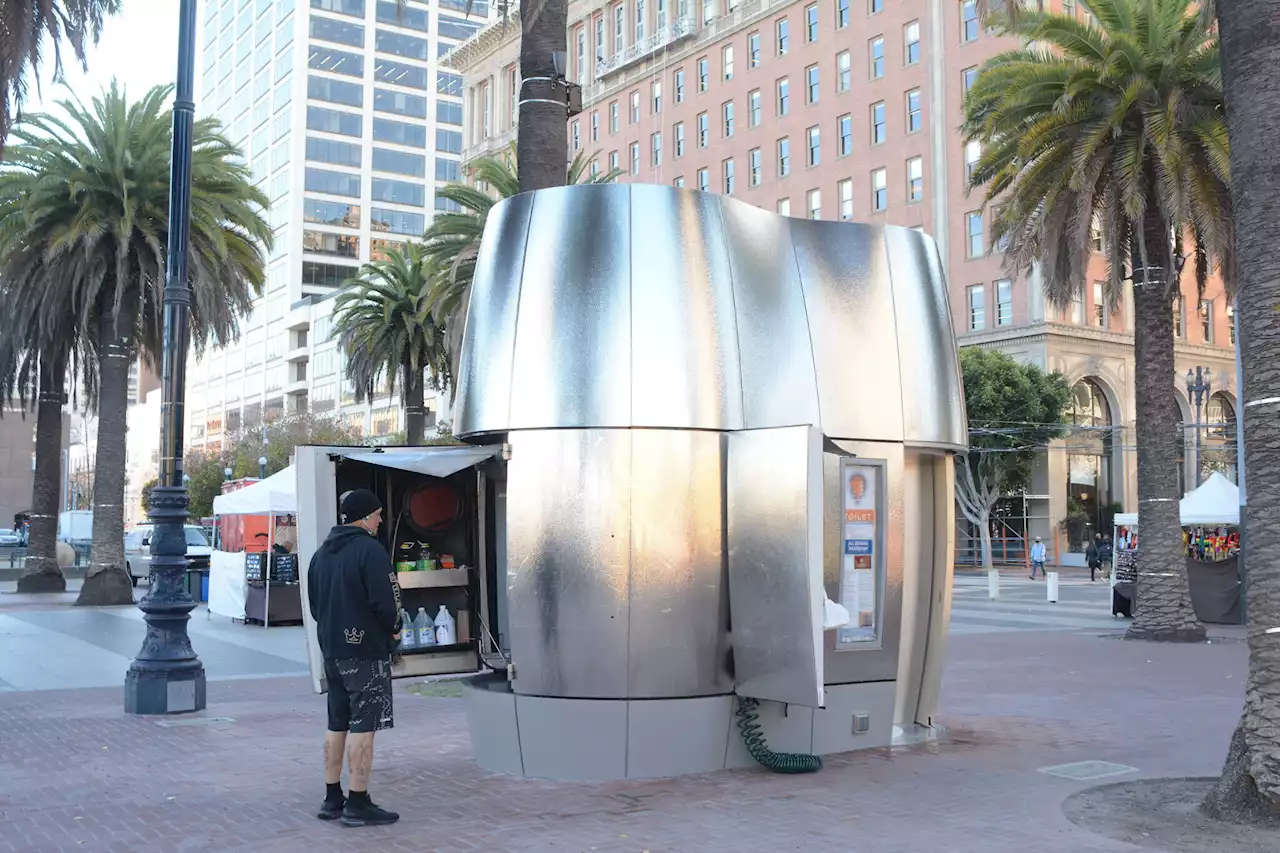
1105 552
355 600
1091 556
1037 558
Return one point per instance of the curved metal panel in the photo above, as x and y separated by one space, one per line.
778 384
849 302
572 365
684 344
678 590
933 409
568 561
490 334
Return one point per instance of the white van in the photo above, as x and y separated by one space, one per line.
137 550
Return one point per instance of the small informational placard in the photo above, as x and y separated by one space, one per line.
863 553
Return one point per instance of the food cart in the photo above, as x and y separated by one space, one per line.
254 583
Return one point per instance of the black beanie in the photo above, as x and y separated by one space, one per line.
358 504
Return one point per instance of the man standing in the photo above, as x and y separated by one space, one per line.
355 601
1037 558
1091 556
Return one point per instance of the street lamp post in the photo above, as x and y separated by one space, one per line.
226 473
166 677
1199 390
262 467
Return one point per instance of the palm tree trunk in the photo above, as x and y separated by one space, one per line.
106 582
542 145
415 409
1250 32
41 572
1163 598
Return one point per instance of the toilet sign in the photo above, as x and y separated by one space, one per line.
863 554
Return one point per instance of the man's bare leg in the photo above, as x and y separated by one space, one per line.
334 745
359 761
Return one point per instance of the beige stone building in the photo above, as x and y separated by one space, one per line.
849 109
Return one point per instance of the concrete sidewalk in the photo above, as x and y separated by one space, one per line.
76 774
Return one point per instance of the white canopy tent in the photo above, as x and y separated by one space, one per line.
228 588
1215 503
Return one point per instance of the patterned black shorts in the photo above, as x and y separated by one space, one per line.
359 695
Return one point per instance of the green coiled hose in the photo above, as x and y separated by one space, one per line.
778 762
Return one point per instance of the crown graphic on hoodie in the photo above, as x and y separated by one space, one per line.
355 636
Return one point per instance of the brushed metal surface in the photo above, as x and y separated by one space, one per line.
679 607
879 663
572 365
684 344
933 409
917 579
488 340
779 386
568 561
848 298
773 505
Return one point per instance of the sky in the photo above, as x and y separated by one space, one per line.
139 48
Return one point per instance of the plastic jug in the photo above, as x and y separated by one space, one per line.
424 628
408 636
446 631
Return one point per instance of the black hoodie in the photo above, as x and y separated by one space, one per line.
354 597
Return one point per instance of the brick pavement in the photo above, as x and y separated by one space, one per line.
76 774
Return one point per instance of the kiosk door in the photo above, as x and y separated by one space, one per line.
774 508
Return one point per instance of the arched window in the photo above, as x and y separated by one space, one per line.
1220 416
1089 451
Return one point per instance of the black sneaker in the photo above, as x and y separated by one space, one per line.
331 810
367 815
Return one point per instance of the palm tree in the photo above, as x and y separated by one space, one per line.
23 25
540 136
95 189
1250 32
386 330
453 239
1117 124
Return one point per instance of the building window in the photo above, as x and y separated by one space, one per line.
811 23
331 151
704 130
595 127
753 50
330 121
845 125
613 161
399 192
1004 302
655 97
784 206
1099 305
977 307
662 15
1077 308
331 212
726 61
783 36
619 28
704 180
915 116
575 136
1206 320
1178 306
635 107
844 71
595 167
708 11
969 76
969 20
680 86
972 154
756 165
753 108
704 74
333 183
812 76
728 177
875 7
726 111
815 150
842 13
846 199
814 199
400 103
784 96
655 149
678 132
877 57
600 49
784 157
338 245
1231 323
879 123
915 179
678 182
613 117
973 233
635 158
911 43
879 190
397 222
639 32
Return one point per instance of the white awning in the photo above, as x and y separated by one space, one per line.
434 461
1215 504
277 494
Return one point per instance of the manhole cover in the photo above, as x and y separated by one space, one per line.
197 721
1082 771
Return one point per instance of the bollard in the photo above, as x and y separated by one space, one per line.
993 583
1051 588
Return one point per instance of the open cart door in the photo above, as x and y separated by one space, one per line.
323 473
776 595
